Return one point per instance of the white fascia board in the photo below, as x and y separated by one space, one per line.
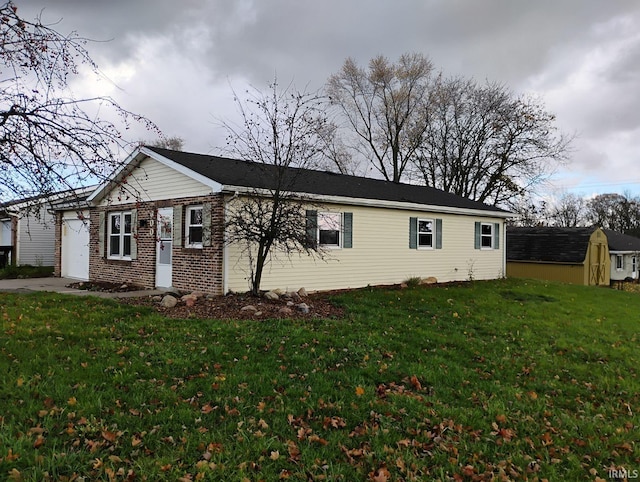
214 185
377 203
623 252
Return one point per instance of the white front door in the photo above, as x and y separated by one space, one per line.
164 243
75 248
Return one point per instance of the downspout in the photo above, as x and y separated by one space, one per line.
504 250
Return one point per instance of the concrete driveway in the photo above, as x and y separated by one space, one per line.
59 285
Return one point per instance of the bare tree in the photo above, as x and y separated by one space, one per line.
528 212
174 143
618 212
484 144
569 211
50 140
280 130
382 109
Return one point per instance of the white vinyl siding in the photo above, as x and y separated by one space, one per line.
379 256
36 239
624 265
153 181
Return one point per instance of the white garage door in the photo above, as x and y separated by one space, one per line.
75 249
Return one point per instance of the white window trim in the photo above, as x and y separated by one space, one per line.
340 231
121 236
187 225
490 236
433 233
621 258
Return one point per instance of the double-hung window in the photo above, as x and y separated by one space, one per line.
193 227
619 262
329 228
120 235
425 233
486 236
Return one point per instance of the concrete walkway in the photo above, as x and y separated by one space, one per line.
59 285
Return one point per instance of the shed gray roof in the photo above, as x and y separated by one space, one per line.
232 172
548 244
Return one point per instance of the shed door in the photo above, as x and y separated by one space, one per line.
597 265
75 248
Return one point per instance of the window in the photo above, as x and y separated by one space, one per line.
329 228
425 233
634 264
120 235
193 227
619 262
487 235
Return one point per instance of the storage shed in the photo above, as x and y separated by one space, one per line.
570 255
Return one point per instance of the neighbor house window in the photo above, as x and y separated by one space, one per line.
329 228
425 233
634 264
619 262
193 227
119 234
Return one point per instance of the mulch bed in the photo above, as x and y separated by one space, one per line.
226 307
230 308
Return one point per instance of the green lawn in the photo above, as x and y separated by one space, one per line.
510 379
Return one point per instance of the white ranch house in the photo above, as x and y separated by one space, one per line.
158 223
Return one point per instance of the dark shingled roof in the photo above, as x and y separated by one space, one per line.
621 242
550 244
233 172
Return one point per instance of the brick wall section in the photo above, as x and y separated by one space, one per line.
201 269
193 269
57 248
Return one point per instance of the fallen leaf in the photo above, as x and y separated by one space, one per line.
359 391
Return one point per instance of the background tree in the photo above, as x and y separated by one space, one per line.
381 110
618 212
174 143
280 130
528 212
50 140
569 211
483 143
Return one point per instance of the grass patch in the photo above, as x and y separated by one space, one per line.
25 271
511 379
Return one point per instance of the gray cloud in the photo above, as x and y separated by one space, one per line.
174 61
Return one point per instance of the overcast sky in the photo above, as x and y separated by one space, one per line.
176 61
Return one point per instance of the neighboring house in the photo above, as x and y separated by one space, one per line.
28 228
570 255
625 252
158 223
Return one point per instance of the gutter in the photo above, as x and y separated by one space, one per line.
409 206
